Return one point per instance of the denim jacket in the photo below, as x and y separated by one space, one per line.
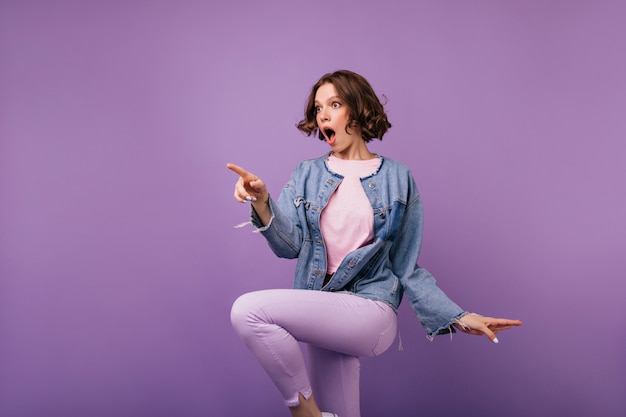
383 270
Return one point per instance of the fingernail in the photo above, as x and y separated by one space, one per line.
248 198
495 340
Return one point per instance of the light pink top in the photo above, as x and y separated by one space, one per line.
347 222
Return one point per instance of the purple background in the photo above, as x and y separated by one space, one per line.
118 259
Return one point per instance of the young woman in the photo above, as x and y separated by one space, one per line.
353 219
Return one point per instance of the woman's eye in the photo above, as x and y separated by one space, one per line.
336 104
317 109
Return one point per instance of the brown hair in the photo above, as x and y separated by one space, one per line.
365 111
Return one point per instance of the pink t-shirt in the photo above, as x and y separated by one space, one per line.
347 222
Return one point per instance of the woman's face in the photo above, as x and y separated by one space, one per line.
332 118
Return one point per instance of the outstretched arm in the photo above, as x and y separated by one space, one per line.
480 325
251 188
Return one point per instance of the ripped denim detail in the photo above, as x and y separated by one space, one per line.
244 224
447 328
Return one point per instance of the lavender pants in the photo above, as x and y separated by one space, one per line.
338 328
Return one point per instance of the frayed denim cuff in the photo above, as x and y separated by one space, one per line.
447 328
256 222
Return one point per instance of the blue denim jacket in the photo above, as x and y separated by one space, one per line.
383 270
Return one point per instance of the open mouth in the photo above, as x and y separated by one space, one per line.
329 134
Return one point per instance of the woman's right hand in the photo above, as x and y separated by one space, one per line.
249 187
476 324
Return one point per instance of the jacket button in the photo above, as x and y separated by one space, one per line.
351 264
372 185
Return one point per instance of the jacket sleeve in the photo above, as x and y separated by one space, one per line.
434 309
283 232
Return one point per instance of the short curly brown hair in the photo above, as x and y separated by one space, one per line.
365 111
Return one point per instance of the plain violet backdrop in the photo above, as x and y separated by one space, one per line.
118 257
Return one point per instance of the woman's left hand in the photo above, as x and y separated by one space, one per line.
480 325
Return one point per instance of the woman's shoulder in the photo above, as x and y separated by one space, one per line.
394 165
312 163
308 167
318 160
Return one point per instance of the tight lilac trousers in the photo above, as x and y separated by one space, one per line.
338 328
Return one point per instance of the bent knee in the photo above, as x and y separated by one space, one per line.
244 313
239 311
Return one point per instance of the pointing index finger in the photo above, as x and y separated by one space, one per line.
240 171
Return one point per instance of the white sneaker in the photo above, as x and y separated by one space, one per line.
329 415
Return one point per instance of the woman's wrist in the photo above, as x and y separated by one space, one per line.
262 208
259 203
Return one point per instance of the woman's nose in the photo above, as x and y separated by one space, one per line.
323 115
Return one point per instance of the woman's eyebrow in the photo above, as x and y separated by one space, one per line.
328 99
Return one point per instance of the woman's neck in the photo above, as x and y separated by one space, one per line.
356 153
